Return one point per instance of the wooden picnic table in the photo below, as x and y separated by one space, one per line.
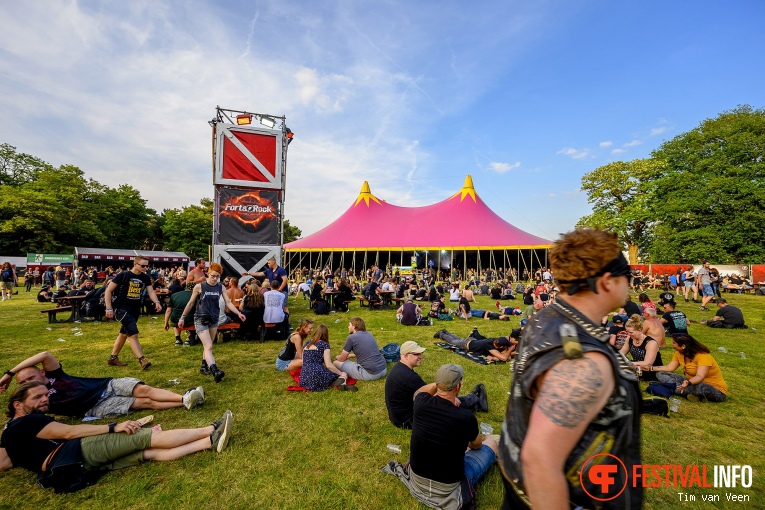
75 302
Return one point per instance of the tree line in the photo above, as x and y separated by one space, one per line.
700 196
44 209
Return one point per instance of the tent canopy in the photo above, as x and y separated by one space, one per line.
461 222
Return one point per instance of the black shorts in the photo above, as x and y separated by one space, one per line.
128 319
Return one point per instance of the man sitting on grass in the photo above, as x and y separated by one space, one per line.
728 316
449 455
104 397
69 457
403 382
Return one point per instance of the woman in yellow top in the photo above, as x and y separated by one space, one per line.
701 379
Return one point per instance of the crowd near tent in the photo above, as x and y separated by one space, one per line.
459 232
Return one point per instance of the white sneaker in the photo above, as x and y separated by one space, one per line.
220 436
192 398
202 392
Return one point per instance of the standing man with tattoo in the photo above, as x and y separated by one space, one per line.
572 395
127 288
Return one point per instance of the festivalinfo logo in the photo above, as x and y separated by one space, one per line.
604 486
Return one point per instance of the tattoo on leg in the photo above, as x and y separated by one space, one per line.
568 391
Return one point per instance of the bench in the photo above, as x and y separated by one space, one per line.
53 311
229 326
365 302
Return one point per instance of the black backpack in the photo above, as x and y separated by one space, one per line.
322 307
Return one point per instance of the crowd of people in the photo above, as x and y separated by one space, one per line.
573 381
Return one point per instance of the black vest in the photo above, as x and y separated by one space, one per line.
615 430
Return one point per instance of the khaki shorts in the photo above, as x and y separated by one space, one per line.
114 451
7 285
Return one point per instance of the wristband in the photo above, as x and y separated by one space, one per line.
650 369
109 309
111 427
10 373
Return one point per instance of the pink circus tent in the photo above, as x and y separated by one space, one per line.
461 222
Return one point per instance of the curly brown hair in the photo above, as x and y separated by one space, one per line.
581 253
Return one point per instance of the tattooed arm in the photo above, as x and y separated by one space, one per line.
569 396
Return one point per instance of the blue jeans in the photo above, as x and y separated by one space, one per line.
477 463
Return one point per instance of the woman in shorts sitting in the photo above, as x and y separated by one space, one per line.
291 355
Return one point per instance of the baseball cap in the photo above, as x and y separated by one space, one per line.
618 319
410 347
666 297
449 376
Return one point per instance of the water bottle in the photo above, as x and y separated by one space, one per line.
394 448
486 429
743 356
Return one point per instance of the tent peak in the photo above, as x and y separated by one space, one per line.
467 189
366 195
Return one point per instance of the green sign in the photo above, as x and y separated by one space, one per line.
47 259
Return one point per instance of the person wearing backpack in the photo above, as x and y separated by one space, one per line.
9 280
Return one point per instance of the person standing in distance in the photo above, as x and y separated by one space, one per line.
124 293
572 395
208 294
274 272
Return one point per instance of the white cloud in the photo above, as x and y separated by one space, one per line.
618 151
658 130
574 153
501 168
605 144
633 143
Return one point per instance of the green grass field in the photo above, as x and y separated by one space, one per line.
324 450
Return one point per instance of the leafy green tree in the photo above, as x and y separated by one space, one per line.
189 229
291 233
18 168
620 203
710 198
124 219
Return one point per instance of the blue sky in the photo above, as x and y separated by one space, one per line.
410 96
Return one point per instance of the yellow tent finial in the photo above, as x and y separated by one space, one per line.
365 195
467 189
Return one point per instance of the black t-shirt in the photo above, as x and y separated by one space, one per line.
176 287
23 446
481 347
400 385
631 308
676 322
441 432
496 293
464 302
129 289
73 396
731 315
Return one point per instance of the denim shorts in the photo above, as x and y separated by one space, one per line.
706 290
356 371
477 463
116 399
282 365
128 321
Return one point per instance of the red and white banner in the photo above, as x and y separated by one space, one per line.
248 156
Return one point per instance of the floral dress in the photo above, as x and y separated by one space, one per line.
314 376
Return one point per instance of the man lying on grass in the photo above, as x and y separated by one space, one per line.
70 457
104 397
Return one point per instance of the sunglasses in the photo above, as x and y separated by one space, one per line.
144 265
